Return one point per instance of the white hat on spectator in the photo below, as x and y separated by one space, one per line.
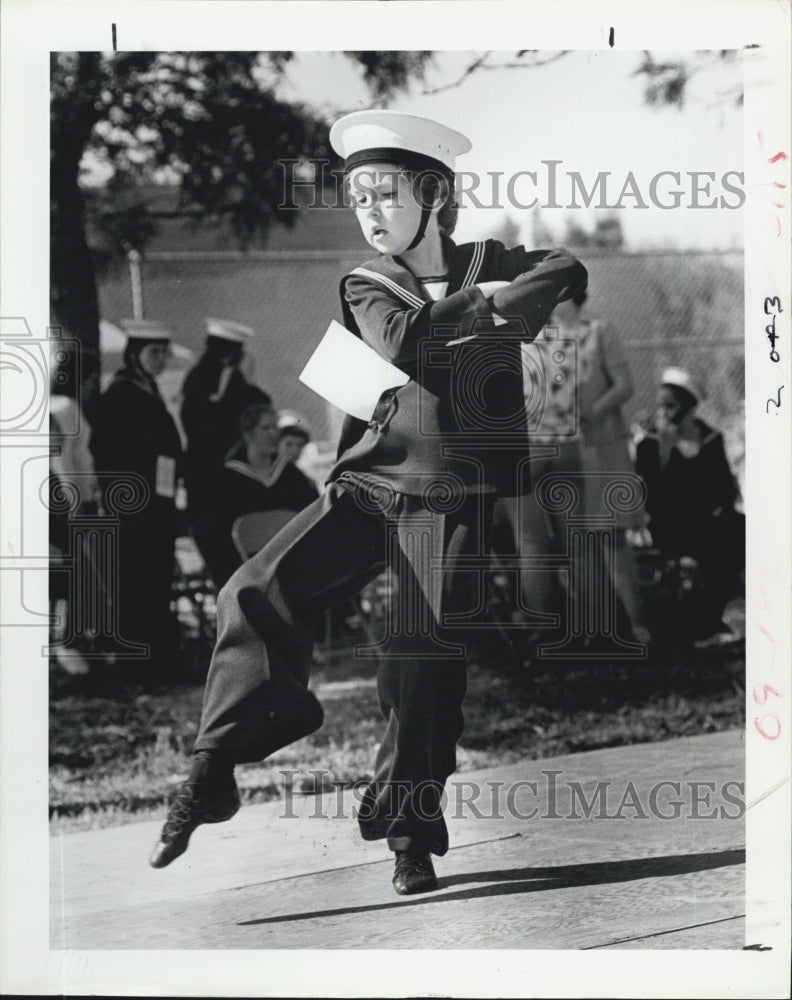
379 136
682 380
145 329
292 420
227 329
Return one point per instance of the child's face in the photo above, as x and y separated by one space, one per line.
668 409
387 210
264 436
291 446
153 358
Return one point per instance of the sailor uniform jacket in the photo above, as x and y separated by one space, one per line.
460 423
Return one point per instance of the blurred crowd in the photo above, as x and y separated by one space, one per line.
674 553
230 455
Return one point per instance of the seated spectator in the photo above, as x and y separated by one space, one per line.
256 477
691 495
293 436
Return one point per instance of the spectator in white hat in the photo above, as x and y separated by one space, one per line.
214 394
293 437
133 432
691 495
418 478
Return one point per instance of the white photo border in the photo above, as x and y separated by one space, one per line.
33 28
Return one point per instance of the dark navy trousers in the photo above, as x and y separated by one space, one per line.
256 697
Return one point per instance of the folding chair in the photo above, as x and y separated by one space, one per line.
251 532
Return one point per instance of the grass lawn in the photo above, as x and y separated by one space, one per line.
116 750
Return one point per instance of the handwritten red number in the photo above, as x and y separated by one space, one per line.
761 691
760 724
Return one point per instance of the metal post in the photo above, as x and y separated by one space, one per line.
136 281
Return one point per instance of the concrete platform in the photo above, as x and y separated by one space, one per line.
528 868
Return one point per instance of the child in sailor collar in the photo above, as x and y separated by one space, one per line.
412 488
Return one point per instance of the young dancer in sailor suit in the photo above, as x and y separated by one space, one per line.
412 488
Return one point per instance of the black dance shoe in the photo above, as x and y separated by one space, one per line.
188 810
414 873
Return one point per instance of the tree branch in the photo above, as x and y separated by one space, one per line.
476 64
481 63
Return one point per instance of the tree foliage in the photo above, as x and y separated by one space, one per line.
667 82
209 122
387 73
607 233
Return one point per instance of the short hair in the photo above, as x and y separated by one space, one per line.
580 298
134 347
685 400
131 353
219 348
294 430
250 416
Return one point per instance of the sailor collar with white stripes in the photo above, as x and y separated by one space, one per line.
413 299
266 477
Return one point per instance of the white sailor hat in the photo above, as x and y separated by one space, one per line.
227 329
681 379
145 329
291 420
395 137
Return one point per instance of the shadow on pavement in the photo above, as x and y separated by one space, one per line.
519 880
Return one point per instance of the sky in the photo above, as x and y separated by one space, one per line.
585 110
